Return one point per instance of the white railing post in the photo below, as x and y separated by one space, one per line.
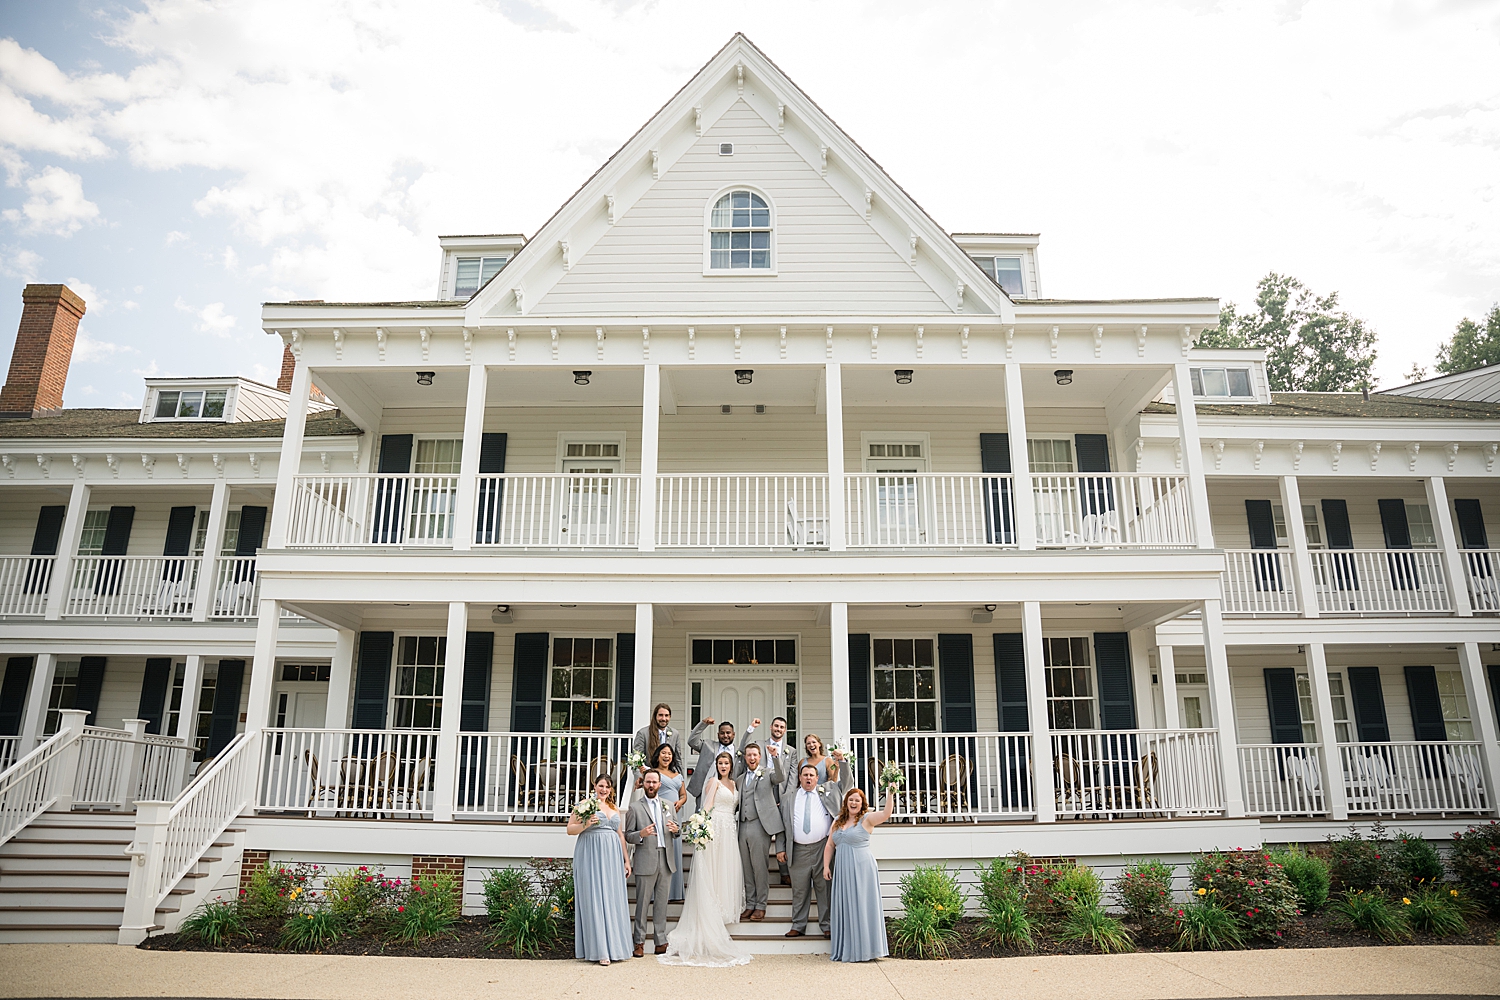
290 461
645 532
1447 539
208 572
1192 459
1221 700
67 551
147 854
1333 768
1043 794
263 667
445 770
132 759
464 507
1023 498
1296 533
65 776
1482 711
833 402
192 690
838 621
645 629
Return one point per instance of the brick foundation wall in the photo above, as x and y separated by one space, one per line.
426 866
43 351
252 861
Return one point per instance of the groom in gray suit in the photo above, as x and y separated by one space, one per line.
759 817
650 827
708 752
808 812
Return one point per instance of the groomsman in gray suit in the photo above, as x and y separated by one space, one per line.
759 817
650 827
807 812
708 751
653 735
776 746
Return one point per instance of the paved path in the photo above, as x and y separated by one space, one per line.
96 970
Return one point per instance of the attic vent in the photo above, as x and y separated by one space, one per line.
726 149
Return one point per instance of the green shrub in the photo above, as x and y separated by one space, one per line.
1004 921
312 929
1079 886
1144 890
1362 864
920 934
274 890
1204 925
528 927
1373 913
505 888
361 895
215 923
1308 874
1251 887
1475 864
933 902
1088 922
428 909
1417 860
1038 883
554 878
1438 910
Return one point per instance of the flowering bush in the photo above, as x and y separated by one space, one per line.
1475 863
361 895
934 902
274 890
427 908
1039 889
1364 864
1251 886
1144 890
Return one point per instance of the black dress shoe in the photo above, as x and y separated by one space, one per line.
794 933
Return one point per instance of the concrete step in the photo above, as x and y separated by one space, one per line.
60 933
110 847
82 897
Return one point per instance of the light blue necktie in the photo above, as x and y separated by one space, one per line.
807 811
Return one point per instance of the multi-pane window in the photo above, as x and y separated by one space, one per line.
591 449
1070 682
438 456
231 532
739 233
1049 455
418 700
472 273
695 704
790 714
583 685
1419 523
190 404
767 651
1341 729
1192 704
1456 718
895 451
905 690
203 719
64 693
91 541
1006 272
1221 383
1309 524
1305 709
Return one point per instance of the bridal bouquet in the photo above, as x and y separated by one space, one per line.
891 777
635 760
699 829
837 749
586 808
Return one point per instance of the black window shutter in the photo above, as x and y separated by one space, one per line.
226 717
1467 513
528 687
372 679
1116 695
13 696
1336 524
1262 524
252 531
154 692
1010 682
1091 452
994 453
999 509
49 524
116 542
1369 705
1426 703
90 681
180 524
1393 523
624 682
491 463
860 714
390 495
1283 705
492 454
395 453
956 680
479 661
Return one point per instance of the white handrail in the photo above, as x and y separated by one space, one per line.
1415 776
964 777
28 788
205 810
379 509
1380 581
1283 779
572 510
1113 510
133 586
741 511
928 510
1114 771
1259 582
24 581
533 776
1482 571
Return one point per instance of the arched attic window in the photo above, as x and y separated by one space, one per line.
739 233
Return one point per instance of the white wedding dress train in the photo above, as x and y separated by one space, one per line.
715 896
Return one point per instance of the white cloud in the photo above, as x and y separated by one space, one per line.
231 259
86 390
89 294
211 318
175 236
19 263
150 371
56 206
86 348
128 305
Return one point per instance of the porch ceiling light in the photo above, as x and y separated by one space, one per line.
425 378
1064 376
743 375
581 378
903 376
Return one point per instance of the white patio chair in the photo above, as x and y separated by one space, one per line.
804 532
1303 780
1465 777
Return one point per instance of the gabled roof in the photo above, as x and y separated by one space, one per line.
739 75
1481 384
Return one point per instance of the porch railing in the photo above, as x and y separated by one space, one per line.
1283 779
1137 771
1482 573
236 588
1380 581
204 811
742 511
1259 582
949 776
928 510
10 751
1113 510
29 787
534 776
378 772
376 509
572 511
116 770
1414 777
133 586
23 585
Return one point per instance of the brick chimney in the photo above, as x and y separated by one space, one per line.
288 368
44 348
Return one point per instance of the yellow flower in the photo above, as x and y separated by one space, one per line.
938 905
1405 901
1453 892
1202 892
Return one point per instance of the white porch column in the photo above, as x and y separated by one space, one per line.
67 552
468 468
290 462
645 633
1166 670
208 573
1192 455
1221 699
340 680
1043 794
838 621
1140 677
1482 712
833 386
1023 499
37 696
1447 539
263 667
445 767
1296 533
645 531
1333 765
192 687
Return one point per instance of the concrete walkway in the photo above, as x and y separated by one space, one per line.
91 970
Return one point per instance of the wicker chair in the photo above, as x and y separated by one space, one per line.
953 783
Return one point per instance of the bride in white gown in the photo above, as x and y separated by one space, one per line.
716 885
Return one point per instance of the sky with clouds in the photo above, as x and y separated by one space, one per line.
177 162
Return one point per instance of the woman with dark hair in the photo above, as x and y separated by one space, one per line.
857 918
673 792
601 864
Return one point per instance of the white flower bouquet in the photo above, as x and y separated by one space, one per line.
635 760
586 808
891 777
699 829
837 749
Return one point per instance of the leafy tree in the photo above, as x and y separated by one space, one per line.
1311 345
1471 345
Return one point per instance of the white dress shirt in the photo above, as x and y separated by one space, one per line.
654 804
820 822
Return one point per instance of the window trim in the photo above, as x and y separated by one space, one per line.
867 438
565 438
1252 397
1093 668
454 258
231 394
392 696
937 683
740 272
592 635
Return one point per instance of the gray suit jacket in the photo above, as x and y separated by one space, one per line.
767 810
643 734
707 751
832 793
643 860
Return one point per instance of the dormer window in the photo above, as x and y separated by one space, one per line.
1222 383
471 273
739 233
190 404
1006 272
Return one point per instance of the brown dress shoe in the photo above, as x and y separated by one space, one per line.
746 915
640 950
794 932
786 880
758 915
661 949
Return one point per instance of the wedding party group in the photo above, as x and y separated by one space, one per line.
757 803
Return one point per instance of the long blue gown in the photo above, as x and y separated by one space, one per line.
856 917
601 911
671 790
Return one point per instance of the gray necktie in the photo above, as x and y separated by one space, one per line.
807 811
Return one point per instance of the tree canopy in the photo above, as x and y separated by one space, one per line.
1311 345
1471 345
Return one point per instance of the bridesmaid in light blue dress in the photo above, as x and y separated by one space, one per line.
601 912
856 916
673 790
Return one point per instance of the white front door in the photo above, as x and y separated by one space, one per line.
310 709
896 515
589 512
741 700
